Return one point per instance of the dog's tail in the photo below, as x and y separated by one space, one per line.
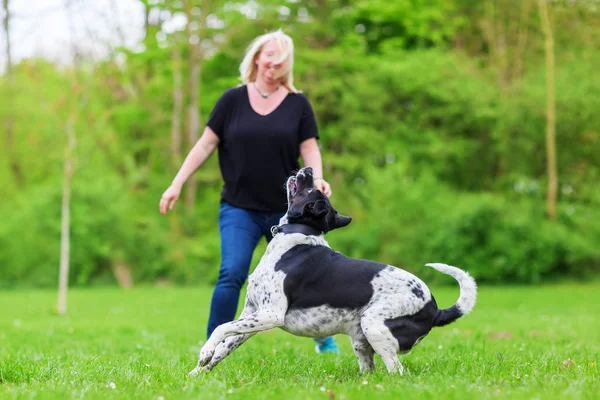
466 300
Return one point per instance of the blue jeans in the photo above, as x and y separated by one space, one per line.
240 231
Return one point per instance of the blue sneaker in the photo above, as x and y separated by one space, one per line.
326 345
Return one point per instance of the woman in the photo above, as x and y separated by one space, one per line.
260 129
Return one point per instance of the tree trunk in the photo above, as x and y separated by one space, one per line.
523 30
501 48
9 123
147 9
193 112
550 111
7 37
176 151
63 280
68 167
193 128
122 273
493 30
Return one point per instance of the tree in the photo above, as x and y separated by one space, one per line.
63 280
550 110
68 165
194 29
15 165
176 155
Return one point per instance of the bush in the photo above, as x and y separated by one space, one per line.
104 229
496 238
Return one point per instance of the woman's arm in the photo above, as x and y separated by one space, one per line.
203 148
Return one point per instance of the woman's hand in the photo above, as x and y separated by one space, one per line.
322 185
311 155
169 198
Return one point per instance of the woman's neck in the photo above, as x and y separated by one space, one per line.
265 87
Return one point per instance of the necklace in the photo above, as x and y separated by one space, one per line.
264 95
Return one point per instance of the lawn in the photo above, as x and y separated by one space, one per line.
519 342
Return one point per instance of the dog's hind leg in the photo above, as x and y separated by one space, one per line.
382 341
363 350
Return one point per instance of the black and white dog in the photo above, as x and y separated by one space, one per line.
304 287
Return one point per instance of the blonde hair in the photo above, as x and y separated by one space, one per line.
248 68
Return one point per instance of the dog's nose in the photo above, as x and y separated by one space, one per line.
308 170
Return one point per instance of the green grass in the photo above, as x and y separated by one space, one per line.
141 344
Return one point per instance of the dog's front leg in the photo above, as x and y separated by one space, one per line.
258 321
226 346
223 349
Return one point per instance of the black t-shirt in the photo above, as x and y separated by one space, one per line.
258 153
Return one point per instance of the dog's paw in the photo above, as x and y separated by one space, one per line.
199 370
205 356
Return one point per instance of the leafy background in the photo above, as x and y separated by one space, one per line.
432 120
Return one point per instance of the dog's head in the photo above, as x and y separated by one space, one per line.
309 206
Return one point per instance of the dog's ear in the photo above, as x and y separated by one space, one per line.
341 221
315 210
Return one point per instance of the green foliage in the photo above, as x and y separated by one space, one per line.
431 143
415 220
521 144
406 24
101 233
